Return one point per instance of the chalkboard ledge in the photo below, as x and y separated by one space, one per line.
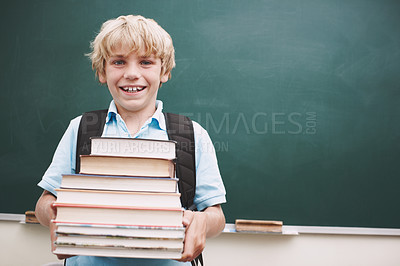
328 230
12 217
286 229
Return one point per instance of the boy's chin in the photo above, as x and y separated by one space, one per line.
132 109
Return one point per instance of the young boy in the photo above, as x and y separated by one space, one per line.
134 57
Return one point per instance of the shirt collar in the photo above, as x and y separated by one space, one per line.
112 111
158 115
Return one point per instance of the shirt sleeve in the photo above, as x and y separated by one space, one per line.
210 189
63 160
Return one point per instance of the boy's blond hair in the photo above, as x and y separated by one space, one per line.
138 34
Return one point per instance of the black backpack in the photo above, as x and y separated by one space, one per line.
179 129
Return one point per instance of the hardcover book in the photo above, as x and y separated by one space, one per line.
128 166
119 198
133 147
109 251
123 183
177 232
118 215
125 242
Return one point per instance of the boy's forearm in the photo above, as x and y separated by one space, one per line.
215 220
44 211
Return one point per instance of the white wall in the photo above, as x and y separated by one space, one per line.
304 249
27 244
24 244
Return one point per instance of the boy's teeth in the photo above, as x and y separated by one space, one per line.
133 89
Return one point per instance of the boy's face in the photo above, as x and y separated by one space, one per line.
133 81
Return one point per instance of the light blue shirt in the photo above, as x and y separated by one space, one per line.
209 187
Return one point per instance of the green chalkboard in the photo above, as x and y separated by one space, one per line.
301 99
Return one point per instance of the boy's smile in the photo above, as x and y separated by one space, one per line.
132 89
133 81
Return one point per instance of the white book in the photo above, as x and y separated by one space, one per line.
118 252
119 198
126 242
133 147
118 215
122 183
121 231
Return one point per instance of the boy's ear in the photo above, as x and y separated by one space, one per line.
102 78
164 78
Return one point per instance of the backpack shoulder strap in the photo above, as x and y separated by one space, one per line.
180 129
91 125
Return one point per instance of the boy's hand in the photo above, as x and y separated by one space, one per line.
195 237
199 225
45 212
53 236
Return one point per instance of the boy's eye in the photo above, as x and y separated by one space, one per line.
118 62
145 62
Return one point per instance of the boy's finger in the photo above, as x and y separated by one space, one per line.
187 218
187 253
188 247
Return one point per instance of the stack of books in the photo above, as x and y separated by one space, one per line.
123 203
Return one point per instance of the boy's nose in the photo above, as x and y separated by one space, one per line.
132 72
